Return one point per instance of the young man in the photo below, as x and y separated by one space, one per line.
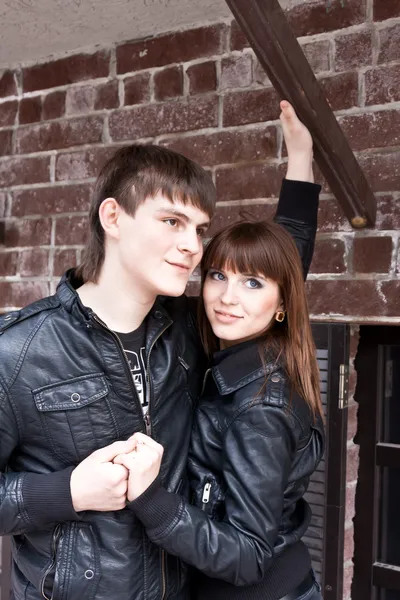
113 352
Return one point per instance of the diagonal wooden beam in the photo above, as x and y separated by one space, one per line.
273 41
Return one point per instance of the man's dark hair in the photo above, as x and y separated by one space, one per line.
134 174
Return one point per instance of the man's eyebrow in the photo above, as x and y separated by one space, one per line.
181 215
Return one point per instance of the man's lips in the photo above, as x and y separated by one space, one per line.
179 265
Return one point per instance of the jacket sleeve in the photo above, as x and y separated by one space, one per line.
28 501
297 212
256 465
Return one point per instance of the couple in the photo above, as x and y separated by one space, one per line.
117 350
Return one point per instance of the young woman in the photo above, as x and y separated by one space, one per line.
258 432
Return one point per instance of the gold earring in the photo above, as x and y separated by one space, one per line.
280 316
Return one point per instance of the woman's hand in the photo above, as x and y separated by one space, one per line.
299 144
143 464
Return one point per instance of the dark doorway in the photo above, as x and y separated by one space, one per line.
377 520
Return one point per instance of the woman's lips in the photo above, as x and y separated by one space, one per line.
225 317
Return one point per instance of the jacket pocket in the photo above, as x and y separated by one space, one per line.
75 570
77 416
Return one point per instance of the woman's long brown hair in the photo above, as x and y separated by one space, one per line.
266 249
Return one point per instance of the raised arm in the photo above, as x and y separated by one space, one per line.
298 202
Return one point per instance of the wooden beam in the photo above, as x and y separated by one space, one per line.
273 41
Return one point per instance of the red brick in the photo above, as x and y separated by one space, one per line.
228 146
382 85
320 16
152 120
30 110
253 106
82 164
168 83
331 217
382 171
63 260
372 254
106 95
348 573
372 130
7 84
20 171
51 200
390 290
8 264
317 54
3 205
259 75
34 263
341 91
19 294
352 422
389 48
60 134
388 212
8 112
386 9
238 40
352 463
137 89
192 288
236 72
353 50
350 502
27 232
65 71
5 142
80 100
348 543
171 48
71 230
343 297
249 181
53 105
329 257
202 77
226 215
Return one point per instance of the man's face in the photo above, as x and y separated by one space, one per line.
160 246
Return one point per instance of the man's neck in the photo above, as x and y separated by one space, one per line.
122 308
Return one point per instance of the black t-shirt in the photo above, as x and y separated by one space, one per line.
134 344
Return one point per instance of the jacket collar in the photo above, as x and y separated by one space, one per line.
239 365
157 321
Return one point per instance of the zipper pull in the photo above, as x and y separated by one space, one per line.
147 424
206 495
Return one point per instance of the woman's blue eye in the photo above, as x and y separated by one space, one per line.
254 284
217 275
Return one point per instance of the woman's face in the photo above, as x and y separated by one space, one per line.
239 306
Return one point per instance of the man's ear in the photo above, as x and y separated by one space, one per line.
109 212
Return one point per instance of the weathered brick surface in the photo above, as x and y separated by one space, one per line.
106 95
382 170
386 9
168 83
63 260
237 38
18 171
254 106
341 91
152 120
389 43
236 72
5 142
353 50
226 215
202 77
308 18
372 130
171 48
22 293
30 110
318 55
60 134
137 89
65 71
71 230
34 263
382 85
328 257
51 200
228 147
7 84
83 164
249 181
346 298
54 105
8 263
27 232
8 112
372 254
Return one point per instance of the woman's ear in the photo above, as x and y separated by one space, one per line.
109 212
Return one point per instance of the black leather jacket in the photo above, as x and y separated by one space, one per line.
253 449
66 390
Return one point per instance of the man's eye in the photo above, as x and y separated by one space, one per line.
171 222
201 232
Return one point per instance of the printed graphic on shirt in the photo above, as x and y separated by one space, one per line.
137 364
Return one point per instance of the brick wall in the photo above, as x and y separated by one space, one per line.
203 93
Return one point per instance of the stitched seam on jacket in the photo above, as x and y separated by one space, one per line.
167 530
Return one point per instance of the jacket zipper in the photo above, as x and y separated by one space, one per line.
206 495
164 585
54 545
